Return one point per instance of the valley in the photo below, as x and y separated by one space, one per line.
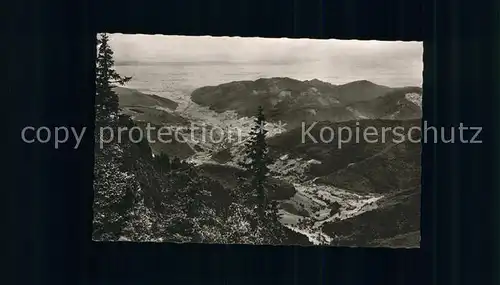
363 194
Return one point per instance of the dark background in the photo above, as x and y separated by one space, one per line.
50 52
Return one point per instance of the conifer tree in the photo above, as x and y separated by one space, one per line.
257 160
106 79
114 192
267 228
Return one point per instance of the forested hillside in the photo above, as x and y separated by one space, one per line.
142 197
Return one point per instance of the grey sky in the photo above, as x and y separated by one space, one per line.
389 62
159 48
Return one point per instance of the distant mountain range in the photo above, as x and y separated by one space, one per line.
293 101
363 194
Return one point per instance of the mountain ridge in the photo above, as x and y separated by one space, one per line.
292 101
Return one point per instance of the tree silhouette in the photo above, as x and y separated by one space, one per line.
106 79
257 160
114 188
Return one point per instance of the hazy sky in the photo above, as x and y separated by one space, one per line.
388 60
159 48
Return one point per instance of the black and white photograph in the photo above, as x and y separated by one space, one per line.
260 141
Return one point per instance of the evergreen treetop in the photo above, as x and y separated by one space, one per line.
106 79
257 159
